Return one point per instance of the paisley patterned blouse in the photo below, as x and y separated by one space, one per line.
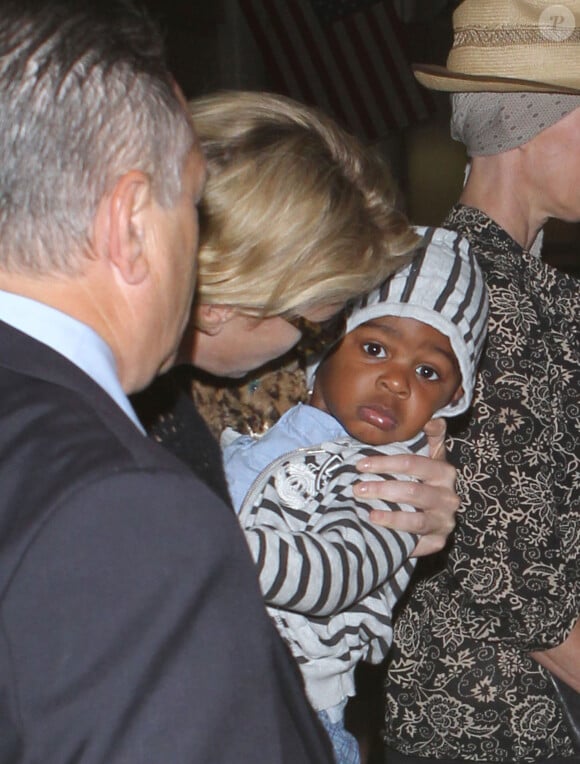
460 683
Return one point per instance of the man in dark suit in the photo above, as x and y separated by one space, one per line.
132 627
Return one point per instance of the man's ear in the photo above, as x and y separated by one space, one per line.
122 226
210 319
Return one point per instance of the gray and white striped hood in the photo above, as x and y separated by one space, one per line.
442 286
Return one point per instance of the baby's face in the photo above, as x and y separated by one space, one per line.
387 378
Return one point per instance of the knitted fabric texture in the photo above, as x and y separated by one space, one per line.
444 288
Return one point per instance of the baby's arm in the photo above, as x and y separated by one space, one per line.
321 560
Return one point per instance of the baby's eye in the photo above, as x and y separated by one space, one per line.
426 372
375 349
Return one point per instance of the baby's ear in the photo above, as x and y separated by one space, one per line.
457 394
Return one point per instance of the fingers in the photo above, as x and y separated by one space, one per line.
431 471
433 534
421 496
433 497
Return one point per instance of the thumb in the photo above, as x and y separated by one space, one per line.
436 430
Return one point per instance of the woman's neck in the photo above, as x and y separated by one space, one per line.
497 186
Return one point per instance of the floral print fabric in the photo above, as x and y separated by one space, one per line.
460 683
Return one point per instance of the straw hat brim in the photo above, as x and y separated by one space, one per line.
441 78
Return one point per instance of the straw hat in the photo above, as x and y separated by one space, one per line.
510 46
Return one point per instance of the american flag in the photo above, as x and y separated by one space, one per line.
345 56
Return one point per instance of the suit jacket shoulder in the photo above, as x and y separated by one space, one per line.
132 628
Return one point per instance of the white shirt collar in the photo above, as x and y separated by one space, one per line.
71 338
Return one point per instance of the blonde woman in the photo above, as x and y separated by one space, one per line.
296 219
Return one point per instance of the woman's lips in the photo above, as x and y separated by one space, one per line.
378 416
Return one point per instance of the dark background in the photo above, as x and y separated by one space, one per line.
209 47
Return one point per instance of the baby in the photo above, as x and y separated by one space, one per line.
329 576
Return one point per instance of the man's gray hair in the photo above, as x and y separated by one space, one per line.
85 97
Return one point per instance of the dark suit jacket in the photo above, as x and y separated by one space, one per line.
132 628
